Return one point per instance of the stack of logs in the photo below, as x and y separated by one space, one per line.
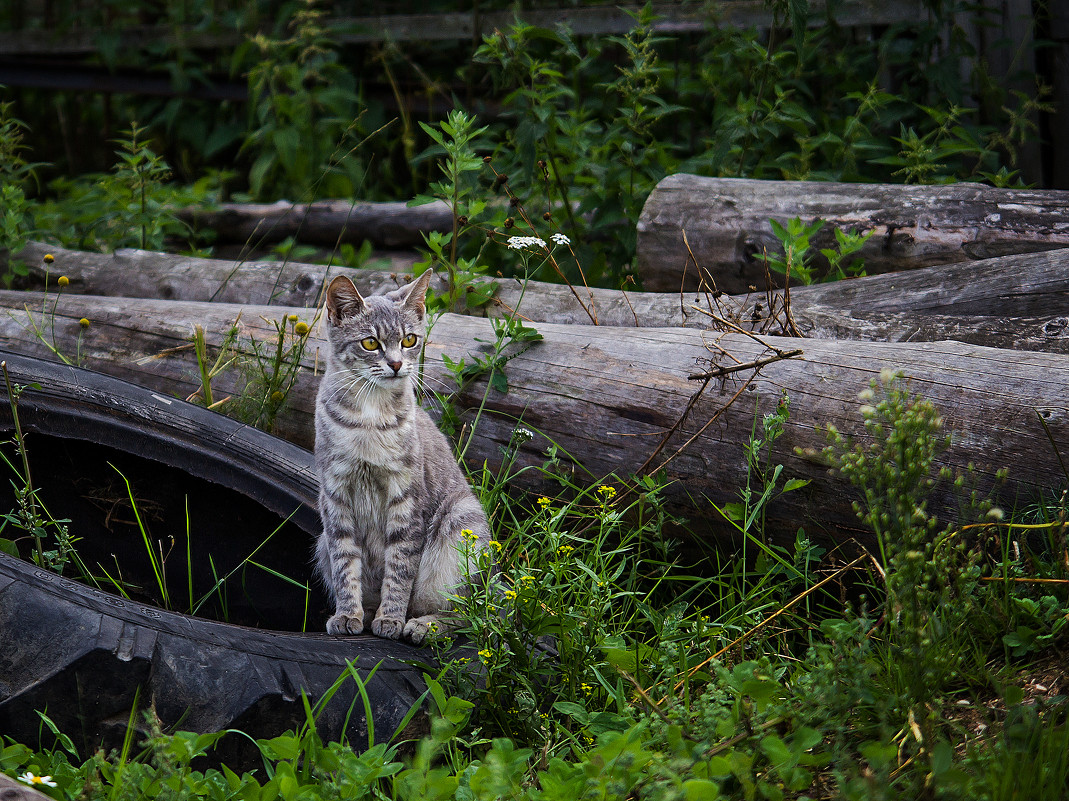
967 296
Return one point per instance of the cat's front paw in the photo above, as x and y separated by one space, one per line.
345 623
388 627
417 629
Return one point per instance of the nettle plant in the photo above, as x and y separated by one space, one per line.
590 158
134 205
796 261
458 188
305 116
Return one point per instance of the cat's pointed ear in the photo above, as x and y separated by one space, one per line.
343 299
414 295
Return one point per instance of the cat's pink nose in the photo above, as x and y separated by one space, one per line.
395 366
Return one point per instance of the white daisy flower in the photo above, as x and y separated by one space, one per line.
33 781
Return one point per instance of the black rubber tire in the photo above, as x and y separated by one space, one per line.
93 407
81 654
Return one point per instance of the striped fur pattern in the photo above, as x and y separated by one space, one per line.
392 498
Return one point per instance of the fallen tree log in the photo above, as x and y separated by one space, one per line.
130 272
324 222
726 221
1016 302
618 401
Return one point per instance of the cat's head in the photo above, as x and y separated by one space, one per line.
377 338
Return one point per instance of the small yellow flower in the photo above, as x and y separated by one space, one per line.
527 579
49 258
292 318
608 492
495 545
84 322
485 654
510 595
63 280
564 550
586 688
544 502
301 328
30 779
469 535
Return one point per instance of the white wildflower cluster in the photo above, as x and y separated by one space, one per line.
561 239
521 242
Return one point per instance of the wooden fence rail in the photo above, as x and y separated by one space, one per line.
582 21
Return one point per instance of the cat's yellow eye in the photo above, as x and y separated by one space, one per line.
410 341
370 343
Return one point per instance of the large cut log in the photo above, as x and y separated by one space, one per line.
325 222
726 221
609 397
1016 302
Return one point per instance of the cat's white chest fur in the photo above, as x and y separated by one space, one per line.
379 447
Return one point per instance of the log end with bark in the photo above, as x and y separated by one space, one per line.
726 221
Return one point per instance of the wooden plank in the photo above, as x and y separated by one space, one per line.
1057 55
583 21
609 396
1003 34
601 20
727 224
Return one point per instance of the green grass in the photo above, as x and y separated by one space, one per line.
683 673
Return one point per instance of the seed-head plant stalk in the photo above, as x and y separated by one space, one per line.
931 571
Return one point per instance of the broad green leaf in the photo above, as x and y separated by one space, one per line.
700 790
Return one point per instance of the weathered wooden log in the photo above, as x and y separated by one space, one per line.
726 221
1017 302
11 790
610 397
324 222
148 274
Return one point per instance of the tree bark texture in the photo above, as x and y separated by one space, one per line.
726 221
620 401
325 222
1017 302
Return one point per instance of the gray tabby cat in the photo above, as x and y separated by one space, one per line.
392 498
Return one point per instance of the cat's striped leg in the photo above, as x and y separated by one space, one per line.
340 558
404 545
